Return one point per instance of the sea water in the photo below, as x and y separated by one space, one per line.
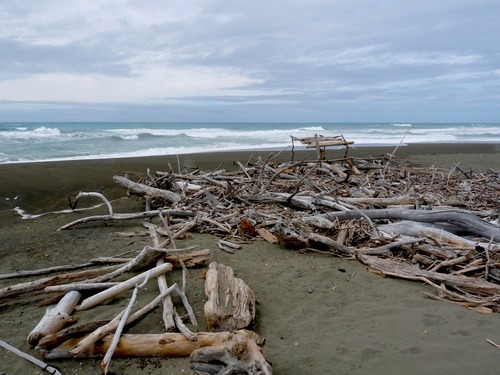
30 142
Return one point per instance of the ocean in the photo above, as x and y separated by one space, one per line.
34 142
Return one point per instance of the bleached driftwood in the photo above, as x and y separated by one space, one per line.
142 189
35 285
122 287
82 344
167 304
119 329
394 268
55 317
465 220
79 287
129 216
55 339
230 302
44 271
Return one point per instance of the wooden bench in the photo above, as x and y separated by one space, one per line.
320 142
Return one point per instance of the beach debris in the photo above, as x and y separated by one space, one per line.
433 219
435 226
30 358
230 302
55 317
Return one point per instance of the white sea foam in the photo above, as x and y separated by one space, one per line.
24 133
70 141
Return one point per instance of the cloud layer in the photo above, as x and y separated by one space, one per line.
316 60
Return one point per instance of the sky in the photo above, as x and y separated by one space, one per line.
250 61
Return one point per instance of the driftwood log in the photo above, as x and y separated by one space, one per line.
243 344
230 302
465 220
55 317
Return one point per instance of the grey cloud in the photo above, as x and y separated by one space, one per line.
296 55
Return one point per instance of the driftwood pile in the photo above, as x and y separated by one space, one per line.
437 226
440 227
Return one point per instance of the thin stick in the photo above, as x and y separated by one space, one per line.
492 343
392 155
97 195
29 358
116 338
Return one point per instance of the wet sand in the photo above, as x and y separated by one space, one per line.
319 314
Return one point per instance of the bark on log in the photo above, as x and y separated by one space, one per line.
55 317
142 189
467 221
230 302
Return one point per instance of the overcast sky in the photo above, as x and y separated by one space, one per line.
235 60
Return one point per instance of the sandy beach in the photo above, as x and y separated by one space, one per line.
319 314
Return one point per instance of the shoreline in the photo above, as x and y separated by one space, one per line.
33 185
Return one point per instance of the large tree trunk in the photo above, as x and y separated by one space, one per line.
230 302
465 220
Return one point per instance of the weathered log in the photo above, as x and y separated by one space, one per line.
192 259
55 339
415 229
230 302
102 331
289 237
55 317
78 287
333 245
394 268
122 287
128 216
142 189
241 353
265 234
380 202
31 286
121 325
246 343
316 221
168 306
465 220
44 271
386 249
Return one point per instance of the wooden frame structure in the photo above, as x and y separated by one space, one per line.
320 142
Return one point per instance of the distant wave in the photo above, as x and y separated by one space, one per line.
212 133
29 142
24 133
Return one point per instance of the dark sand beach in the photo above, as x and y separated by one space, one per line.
319 314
